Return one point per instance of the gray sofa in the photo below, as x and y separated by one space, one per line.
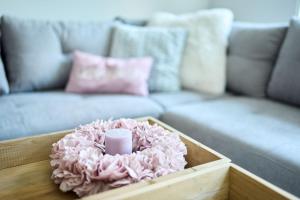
247 124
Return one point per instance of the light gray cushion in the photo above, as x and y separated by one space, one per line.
165 45
285 81
4 89
38 52
134 22
171 99
252 51
24 114
260 135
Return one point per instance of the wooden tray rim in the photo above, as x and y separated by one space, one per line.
155 184
12 155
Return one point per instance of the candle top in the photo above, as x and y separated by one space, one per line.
118 133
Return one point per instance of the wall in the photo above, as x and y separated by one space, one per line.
244 10
259 10
95 9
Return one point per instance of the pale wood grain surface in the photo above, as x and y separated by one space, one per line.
25 174
27 150
30 181
25 170
218 182
245 185
206 184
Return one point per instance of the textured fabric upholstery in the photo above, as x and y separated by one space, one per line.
43 49
4 89
252 52
171 99
285 82
33 113
260 135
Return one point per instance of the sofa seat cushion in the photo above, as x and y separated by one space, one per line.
171 99
260 135
41 112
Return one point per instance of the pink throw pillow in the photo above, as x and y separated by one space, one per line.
95 74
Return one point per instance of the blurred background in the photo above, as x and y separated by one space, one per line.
244 10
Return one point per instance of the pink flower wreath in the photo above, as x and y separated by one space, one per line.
80 164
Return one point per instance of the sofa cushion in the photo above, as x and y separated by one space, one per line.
171 99
43 48
4 89
285 81
164 45
134 22
204 59
24 114
95 74
252 51
260 135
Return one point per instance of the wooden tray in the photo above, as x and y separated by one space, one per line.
25 169
219 182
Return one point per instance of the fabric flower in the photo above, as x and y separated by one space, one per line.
80 164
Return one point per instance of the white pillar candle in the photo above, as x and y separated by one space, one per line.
118 141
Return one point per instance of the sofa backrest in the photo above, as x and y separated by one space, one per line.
252 52
4 89
38 53
285 81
